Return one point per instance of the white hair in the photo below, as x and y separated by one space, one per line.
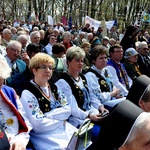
137 44
5 70
22 36
141 44
34 33
14 43
6 31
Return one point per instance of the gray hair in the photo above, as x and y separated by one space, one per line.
22 36
66 34
82 33
14 43
35 29
89 34
5 70
13 28
41 31
34 33
140 45
6 31
74 52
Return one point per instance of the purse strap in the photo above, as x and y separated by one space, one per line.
84 126
86 122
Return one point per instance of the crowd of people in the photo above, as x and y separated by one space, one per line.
54 77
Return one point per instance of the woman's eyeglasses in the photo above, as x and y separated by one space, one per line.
44 67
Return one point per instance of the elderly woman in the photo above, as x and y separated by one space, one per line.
10 119
73 84
46 107
99 80
66 36
130 64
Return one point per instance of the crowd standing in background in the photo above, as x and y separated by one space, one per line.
63 75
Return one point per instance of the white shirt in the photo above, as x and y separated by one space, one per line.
48 48
94 86
78 115
3 50
50 130
115 80
60 28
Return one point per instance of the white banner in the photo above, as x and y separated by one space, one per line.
95 23
50 20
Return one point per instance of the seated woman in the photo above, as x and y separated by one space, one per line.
99 81
57 54
83 103
87 60
10 119
46 107
130 64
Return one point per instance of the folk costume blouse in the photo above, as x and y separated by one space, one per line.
10 118
99 83
48 115
80 99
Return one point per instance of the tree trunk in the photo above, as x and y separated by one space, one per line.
93 10
80 11
29 11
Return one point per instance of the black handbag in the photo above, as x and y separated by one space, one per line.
4 143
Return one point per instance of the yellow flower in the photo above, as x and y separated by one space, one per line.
9 121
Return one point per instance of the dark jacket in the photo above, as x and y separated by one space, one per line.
144 67
132 69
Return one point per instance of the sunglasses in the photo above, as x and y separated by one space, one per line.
146 49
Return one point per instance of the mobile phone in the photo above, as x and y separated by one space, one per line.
104 114
121 94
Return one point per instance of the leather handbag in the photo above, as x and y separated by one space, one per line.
81 139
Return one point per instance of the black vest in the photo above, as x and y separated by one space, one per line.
76 91
102 81
44 102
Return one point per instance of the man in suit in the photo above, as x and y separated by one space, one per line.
12 57
35 39
78 40
120 77
143 58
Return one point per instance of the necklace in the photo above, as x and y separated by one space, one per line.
77 79
43 90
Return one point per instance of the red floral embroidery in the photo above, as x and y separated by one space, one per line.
1 135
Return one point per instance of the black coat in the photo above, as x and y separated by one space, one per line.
144 68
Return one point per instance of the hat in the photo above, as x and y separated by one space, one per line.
138 89
117 126
130 52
